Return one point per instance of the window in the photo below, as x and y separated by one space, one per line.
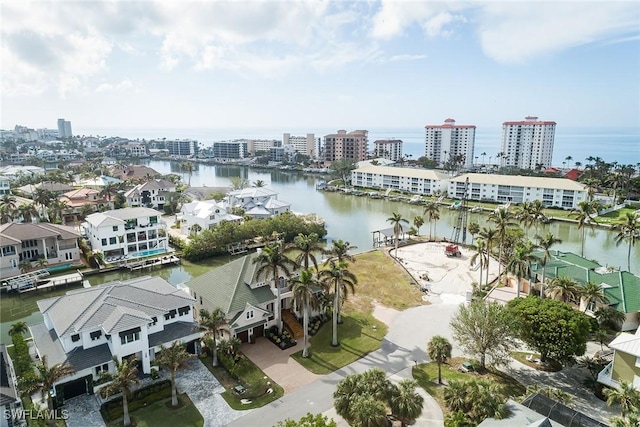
129 336
250 314
153 219
95 335
184 310
75 337
170 315
154 320
113 240
115 228
104 242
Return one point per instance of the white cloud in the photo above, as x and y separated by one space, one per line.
112 87
436 25
406 57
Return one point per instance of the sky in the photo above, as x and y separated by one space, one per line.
318 63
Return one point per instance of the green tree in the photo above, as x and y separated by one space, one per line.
309 420
396 220
272 261
28 212
418 221
339 252
342 169
520 264
432 210
478 399
19 327
551 327
303 288
439 351
173 359
122 381
238 183
25 266
490 237
479 257
43 198
473 228
584 215
503 219
628 231
626 396
44 378
405 402
306 247
8 202
482 330
211 323
610 317
564 288
341 280
592 292
361 398
545 243
187 167
109 191
259 183
631 420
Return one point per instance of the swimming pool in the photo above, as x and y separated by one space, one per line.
148 253
58 268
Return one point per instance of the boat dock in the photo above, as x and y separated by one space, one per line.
52 283
139 265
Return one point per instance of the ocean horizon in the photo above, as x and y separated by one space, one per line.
612 144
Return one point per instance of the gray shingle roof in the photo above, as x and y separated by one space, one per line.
172 332
228 286
29 231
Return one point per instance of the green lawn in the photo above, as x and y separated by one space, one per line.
615 217
359 334
252 378
161 413
521 356
427 376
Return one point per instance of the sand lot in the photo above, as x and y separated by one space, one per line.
447 278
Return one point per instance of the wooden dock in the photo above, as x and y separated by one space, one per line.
139 265
52 283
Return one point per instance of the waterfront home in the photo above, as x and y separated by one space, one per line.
131 172
419 181
9 396
56 188
128 232
5 185
56 244
77 199
151 194
626 362
98 183
257 202
553 192
204 193
249 302
205 214
15 171
86 328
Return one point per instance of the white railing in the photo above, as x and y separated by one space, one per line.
604 377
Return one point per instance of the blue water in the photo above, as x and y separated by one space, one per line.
148 253
619 144
58 268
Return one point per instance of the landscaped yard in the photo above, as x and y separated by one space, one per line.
521 356
615 217
427 376
252 378
161 413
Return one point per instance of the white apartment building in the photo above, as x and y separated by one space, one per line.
255 145
302 144
206 214
419 181
557 192
5 184
132 232
136 150
182 147
528 144
444 142
64 128
238 149
390 149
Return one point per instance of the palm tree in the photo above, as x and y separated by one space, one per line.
271 260
592 292
6 214
303 288
56 209
8 204
563 288
536 210
28 212
545 243
396 221
626 396
86 210
306 246
25 266
439 351
173 359
524 214
629 230
489 235
188 168
503 218
406 403
339 252
480 257
44 379
583 216
211 323
520 264
41 262
609 316
121 382
631 420
483 154
455 396
432 210
195 229
18 327
258 183
418 221
342 281
108 191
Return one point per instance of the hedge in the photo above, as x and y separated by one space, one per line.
22 361
112 410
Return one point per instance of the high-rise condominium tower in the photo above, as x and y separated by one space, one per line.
342 145
450 142
527 144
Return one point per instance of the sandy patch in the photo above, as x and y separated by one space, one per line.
384 314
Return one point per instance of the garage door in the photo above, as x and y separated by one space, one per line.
243 336
75 388
258 331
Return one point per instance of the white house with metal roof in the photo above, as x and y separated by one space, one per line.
130 232
626 361
553 192
86 328
206 214
258 202
151 194
414 180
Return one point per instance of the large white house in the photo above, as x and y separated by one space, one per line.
127 232
553 192
206 214
86 328
257 202
419 181
151 194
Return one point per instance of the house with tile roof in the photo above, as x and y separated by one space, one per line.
207 214
258 202
57 244
127 232
622 288
151 194
86 328
132 172
55 188
625 365
78 198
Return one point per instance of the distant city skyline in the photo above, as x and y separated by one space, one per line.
320 64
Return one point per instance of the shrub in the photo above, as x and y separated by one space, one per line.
112 409
22 361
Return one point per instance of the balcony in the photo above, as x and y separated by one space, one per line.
604 377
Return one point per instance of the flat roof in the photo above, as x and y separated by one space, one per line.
521 181
404 172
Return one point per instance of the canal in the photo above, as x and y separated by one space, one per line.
347 217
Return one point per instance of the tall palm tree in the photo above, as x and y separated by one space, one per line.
432 210
439 351
584 216
6 214
406 403
25 266
545 243
109 191
629 230
125 377
272 261
173 359
592 292
537 213
563 288
44 379
188 168
8 201
43 197
211 323
480 257
524 214
86 210
397 221
56 209
625 395
258 183
418 221
342 281
520 264
339 252
503 219
610 317
306 245
490 237
19 327
631 420
303 288
28 212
